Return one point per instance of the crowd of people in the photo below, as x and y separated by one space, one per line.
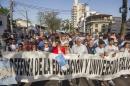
104 45
68 43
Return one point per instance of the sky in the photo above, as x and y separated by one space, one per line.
101 6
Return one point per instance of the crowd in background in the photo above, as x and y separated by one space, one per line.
67 43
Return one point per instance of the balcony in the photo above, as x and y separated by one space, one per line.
98 20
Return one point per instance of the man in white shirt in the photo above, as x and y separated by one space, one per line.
79 48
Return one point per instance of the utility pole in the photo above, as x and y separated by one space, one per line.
69 25
41 17
27 18
11 16
84 21
109 26
124 11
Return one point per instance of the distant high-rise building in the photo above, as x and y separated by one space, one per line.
78 10
76 2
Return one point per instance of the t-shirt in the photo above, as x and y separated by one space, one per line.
41 45
64 42
79 49
91 50
46 49
111 49
13 47
56 50
100 50
125 51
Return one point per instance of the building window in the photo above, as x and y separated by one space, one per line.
103 26
96 30
0 23
96 25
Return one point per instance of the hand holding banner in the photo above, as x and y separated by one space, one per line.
6 76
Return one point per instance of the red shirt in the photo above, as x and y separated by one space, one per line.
56 51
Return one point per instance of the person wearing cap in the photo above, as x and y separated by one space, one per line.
78 47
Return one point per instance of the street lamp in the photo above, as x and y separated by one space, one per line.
85 17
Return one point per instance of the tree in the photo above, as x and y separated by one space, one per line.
67 25
4 11
51 20
41 18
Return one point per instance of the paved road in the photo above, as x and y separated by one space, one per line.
83 82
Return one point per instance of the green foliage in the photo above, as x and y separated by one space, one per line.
4 11
51 20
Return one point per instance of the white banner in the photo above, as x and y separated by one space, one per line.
36 66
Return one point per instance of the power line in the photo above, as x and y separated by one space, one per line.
41 8
88 1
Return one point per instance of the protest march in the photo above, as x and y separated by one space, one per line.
65 57
64 43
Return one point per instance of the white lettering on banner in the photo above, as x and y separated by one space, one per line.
6 75
43 66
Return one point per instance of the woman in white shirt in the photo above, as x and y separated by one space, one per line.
100 50
111 49
126 48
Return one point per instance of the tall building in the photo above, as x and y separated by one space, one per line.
78 11
76 1
98 23
22 23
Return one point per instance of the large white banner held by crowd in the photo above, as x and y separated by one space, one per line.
36 66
